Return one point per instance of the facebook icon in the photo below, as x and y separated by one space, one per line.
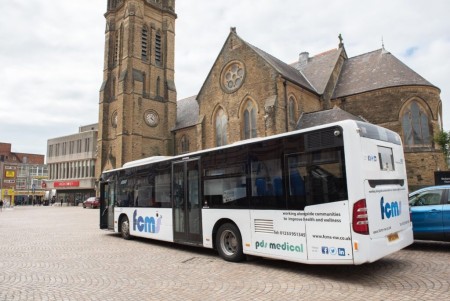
324 250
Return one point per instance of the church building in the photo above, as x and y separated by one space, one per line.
249 93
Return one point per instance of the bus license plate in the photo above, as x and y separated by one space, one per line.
392 237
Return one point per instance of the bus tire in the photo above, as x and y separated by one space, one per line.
229 243
125 228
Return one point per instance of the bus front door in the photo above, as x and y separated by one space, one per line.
186 202
107 199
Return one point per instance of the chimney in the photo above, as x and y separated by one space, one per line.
303 59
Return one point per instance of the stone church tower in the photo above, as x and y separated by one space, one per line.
137 107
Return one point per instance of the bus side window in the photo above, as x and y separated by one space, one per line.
125 192
162 186
297 181
225 192
327 177
267 184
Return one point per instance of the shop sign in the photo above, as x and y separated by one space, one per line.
63 184
10 174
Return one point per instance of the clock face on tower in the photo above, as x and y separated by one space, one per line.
151 118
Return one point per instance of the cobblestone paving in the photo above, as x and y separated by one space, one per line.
54 253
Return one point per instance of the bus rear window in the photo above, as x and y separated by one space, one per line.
386 158
371 131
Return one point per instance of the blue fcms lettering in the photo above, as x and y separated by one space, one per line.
147 223
389 210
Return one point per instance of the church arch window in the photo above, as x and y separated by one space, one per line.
114 119
144 43
118 45
249 119
292 111
144 84
184 144
221 124
415 125
116 48
158 48
158 84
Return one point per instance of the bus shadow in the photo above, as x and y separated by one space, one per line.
192 249
364 274
349 274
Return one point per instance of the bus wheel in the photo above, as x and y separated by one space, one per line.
229 243
125 228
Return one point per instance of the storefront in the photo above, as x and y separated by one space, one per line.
72 192
29 197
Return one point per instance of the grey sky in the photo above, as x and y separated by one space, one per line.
51 52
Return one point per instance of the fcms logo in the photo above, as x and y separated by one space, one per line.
389 210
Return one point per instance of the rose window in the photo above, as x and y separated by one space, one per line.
233 76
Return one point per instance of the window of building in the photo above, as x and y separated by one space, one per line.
79 146
158 53
250 120
292 111
21 183
22 171
116 48
34 171
71 147
144 42
64 148
415 123
221 128
158 83
184 144
87 142
232 76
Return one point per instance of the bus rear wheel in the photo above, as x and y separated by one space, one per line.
229 243
125 228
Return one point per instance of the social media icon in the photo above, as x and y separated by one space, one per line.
324 250
341 251
333 251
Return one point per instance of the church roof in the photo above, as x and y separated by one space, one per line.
284 69
311 119
318 69
187 112
367 72
375 70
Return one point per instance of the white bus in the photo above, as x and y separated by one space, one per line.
332 194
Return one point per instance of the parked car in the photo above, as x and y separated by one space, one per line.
92 202
430 213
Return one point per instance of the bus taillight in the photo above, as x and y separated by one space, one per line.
360 219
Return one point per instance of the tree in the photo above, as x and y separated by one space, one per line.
443 140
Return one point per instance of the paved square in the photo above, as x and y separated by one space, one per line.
59 253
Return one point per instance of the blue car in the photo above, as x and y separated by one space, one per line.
430 213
